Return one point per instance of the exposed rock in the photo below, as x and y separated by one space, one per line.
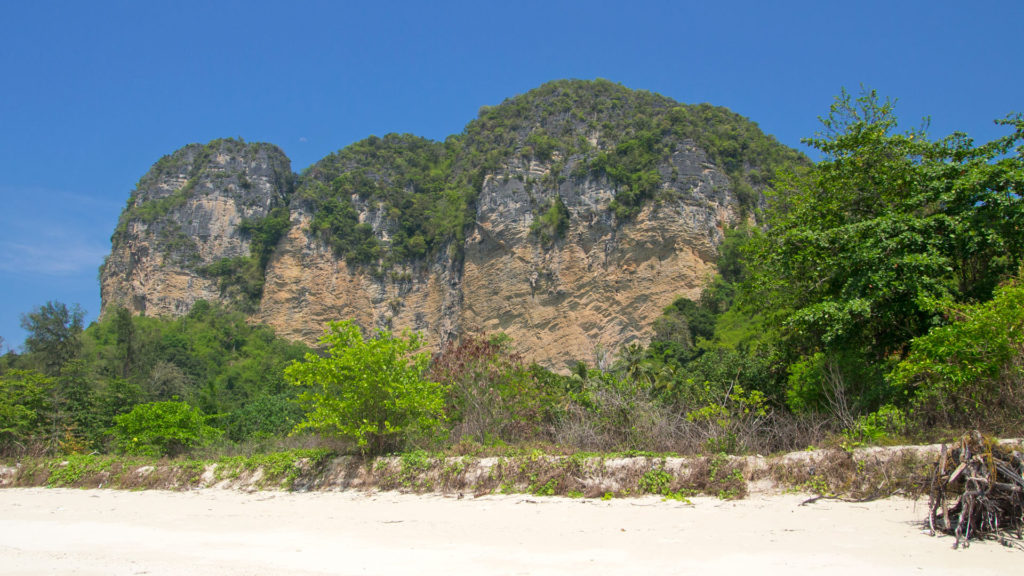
185 215
603 284
307 286
568 218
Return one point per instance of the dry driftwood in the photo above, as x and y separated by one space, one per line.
977 492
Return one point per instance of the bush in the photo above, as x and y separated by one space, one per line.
264 416
842 384
493 396
551 222
23 406
969 374
612 413
879 427
370 391
162 429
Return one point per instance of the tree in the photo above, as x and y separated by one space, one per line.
970 373
372 391
262 417
166 382
860 247
23 406
53 331
124 328
72 419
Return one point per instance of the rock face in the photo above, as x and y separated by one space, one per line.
604 283
184 216
308 286
567 218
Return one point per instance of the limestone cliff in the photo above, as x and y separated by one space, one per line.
308 286
604 282
185 216
567 217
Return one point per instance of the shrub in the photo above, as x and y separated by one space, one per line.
493 396
370 391
262 417
552 222
969 373
655 481
879 427
162 429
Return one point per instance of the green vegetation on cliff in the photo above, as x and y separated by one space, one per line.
401 200
241 278
421 194
152 201
551 222
407 177
636 133
224 166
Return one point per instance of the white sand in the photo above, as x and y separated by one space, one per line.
219 532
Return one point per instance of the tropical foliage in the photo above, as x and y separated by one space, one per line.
861 251
162 429
211 359
372 391
970 372
877 296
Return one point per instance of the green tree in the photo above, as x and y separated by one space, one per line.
857 247
680 327
372 391
53 331
72 420
264 233
166 382
23 407
116 396
162 429
212 358
970 373
263 417
125 330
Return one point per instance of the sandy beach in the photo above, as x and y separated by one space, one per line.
219 532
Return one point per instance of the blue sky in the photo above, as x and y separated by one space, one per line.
93 93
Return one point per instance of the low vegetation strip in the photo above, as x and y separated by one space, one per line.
863 473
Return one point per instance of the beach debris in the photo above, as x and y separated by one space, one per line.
977 492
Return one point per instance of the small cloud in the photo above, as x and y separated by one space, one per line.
50 259
303 139
30 198
53 232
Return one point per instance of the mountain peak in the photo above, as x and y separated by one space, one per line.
566 217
